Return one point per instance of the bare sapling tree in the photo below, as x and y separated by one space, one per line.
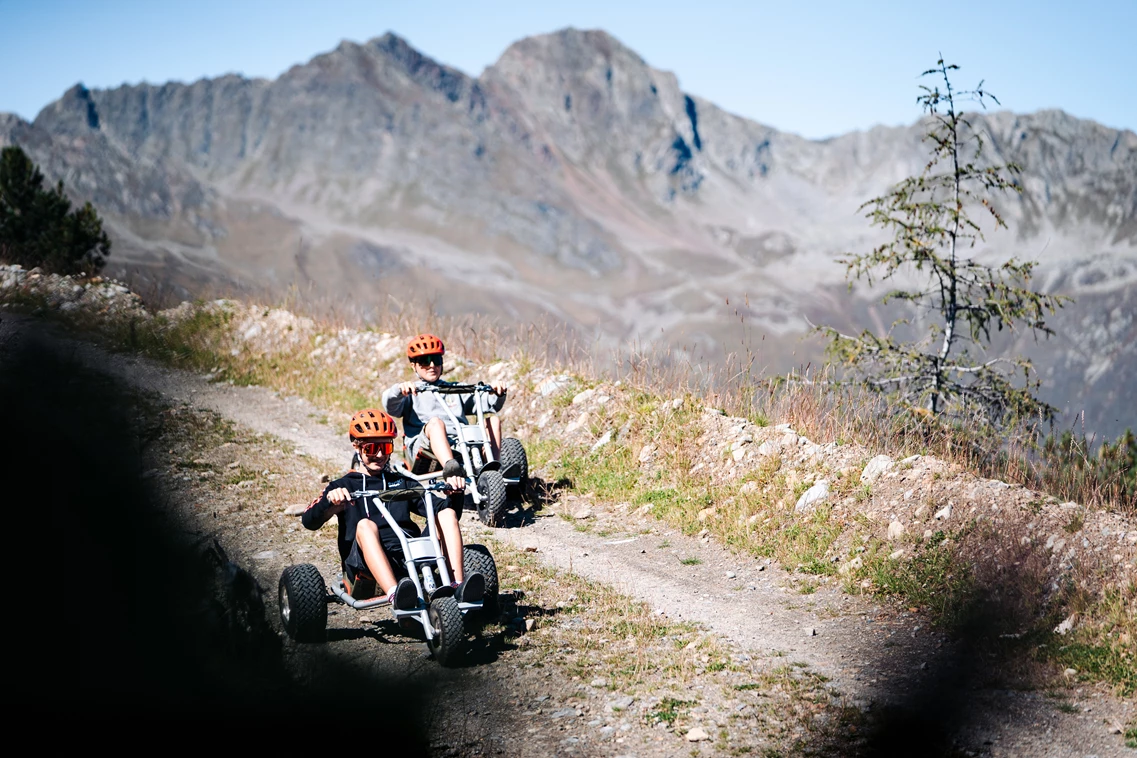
949 373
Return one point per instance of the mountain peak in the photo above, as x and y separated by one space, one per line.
569 46
75 112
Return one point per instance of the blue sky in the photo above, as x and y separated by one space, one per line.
815 68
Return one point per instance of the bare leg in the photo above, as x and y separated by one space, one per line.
452 537
439 443
367 535
493 429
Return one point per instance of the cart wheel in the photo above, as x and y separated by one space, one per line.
447 621
492 508
302 597
478 558
515 463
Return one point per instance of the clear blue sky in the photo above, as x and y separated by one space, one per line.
815 68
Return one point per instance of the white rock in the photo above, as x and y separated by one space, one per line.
812 496
604 440
582 397
943 514
767 448
577 423
738 453
895 529
553 384
697 734
747 488
852 566
875 468
1066 625
896 554
582 513
647 452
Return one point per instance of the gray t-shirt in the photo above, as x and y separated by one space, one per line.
416 410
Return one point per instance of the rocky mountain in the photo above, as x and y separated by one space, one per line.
572 181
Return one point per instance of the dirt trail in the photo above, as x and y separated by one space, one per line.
876 655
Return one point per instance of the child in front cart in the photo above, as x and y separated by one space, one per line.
370 550
424 420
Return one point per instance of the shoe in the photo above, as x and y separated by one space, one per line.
472 589
404 597
452 468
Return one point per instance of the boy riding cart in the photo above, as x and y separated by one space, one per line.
370 550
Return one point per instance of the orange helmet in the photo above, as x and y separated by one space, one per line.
425 344
371 422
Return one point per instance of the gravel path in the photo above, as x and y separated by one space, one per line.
881 657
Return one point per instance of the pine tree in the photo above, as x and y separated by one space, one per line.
37 225
948 374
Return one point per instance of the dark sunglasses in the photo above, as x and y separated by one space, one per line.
373 449
429 360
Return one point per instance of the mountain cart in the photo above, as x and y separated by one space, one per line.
492 481
304 597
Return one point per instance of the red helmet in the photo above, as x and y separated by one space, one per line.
425 344
371 422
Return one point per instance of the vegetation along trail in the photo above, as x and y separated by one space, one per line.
623 634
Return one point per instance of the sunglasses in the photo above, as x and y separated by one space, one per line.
373 449
429 360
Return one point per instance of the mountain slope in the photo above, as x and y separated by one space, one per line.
570 180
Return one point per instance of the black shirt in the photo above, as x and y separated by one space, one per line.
320 511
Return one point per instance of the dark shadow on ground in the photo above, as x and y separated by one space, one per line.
932 712
147 622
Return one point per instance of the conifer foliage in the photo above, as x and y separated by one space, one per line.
38 226
948 373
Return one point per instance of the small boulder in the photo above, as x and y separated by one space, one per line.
895 530
697 734
1066 625
875 468
604 440
812 496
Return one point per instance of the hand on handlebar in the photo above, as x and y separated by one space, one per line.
408 388
339 498
456 484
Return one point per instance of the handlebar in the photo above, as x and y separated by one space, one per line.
454 389
431 485
401 494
